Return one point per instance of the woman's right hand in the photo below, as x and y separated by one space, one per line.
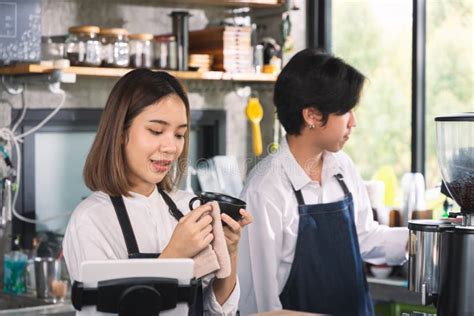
192 234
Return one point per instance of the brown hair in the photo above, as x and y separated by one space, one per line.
106 167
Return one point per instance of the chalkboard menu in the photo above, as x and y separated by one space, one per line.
20 31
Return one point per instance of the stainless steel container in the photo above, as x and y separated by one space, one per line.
456 294
424 257
45 270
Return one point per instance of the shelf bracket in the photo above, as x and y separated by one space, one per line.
15 84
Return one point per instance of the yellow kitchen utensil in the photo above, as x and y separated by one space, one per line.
389 178
254 112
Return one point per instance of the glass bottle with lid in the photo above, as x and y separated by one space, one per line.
115 47
141 50
165 51
83 47
52 47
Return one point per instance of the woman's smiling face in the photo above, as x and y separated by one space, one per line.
155 140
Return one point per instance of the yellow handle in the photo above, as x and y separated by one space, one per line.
254 112
257 138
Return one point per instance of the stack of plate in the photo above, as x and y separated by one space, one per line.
200 62
229 45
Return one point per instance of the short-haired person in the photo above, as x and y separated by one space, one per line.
134 167
313 221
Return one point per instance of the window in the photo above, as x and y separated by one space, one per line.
53 159
376 37
449 69
59 160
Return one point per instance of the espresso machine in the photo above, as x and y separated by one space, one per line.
441 252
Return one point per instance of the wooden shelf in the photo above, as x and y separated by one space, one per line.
237 3
28 69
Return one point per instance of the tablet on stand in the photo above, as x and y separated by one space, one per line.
94 271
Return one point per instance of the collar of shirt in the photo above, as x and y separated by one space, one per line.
296 173
138 198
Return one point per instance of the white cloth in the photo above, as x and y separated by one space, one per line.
94 233
267 246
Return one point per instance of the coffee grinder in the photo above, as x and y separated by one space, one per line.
441 265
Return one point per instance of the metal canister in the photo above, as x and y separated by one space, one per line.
45 269
424 256
258 58
456 293
180 22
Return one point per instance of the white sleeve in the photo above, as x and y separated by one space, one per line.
378 243
82 242
259 255
212 306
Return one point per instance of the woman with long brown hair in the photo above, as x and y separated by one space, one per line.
134 167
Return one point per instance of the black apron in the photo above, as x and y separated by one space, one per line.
327 275
132 246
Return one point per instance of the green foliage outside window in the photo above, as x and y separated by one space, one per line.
376 37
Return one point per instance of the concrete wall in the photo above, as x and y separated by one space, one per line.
152 16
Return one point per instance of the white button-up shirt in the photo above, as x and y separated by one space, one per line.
267 246
94 233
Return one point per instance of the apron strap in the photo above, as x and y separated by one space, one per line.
299 196
173 209
125 225
340 180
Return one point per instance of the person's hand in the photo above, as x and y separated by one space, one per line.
192 234
233 229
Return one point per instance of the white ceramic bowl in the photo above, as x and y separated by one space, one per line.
381 272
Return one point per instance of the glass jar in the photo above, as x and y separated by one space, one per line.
52 47
83 47
165 51
115 47
141 50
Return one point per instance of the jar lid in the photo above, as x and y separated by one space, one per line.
141 36
84 29
459 117
429 225
464 229
113 32
165 38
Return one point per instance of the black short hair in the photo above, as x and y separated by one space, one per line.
313 78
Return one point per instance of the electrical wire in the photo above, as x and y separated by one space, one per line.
11 107
24 108
46 119
14 140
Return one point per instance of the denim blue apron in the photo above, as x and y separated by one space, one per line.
327 275
132 247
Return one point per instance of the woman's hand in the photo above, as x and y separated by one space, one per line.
233 229
192 234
